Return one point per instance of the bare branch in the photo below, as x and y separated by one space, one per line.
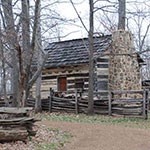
35 23
79 16
37 73
102 8
145 35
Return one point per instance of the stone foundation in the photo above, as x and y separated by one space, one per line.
124 71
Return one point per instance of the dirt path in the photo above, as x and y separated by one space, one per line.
103 137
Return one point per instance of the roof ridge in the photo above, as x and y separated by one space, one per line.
79 39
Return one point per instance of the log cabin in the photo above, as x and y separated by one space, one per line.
66 68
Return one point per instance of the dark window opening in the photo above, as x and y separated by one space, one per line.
79 84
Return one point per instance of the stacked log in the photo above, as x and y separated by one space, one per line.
2 102
129 106
15 124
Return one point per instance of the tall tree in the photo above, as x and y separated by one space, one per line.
91 62
22 50
13 44
122 14
2 57
39 56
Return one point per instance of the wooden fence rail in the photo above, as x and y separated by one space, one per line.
133 103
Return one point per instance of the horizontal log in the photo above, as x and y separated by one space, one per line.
104 59
13 135
16 121
31 102
71 103
102 65
14 110
127 110
102 98
63 104
58 108
101 107
83 101
128 107
127 113
132 113
100 101
126 103
130 100
61 99
64 107
127 92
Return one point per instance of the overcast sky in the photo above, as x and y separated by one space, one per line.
75 29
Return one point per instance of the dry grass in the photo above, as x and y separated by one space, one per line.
96 119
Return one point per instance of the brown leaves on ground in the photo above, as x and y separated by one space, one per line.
44 139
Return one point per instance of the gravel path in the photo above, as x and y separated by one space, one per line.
103 137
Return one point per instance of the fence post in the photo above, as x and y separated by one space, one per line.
109 103
76 101
146 101
50 100
148 104
144 104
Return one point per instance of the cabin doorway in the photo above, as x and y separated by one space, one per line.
62 84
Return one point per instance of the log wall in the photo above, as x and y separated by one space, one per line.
73 74
102 73
50 77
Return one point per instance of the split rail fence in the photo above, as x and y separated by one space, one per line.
125 103
111 105
76 104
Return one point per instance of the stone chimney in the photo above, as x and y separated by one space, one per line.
124 70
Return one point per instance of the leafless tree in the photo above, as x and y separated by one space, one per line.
2 57
38 107
137 21
122 14
21 30
22 50
91 62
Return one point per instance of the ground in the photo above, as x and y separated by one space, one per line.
103 137
63 131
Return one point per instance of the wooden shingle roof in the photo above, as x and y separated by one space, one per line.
74 52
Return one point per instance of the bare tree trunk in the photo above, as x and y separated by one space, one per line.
26 48
14 80
22 54
91 64
12 41
38 107
122 14
3 69
34 46
4 77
